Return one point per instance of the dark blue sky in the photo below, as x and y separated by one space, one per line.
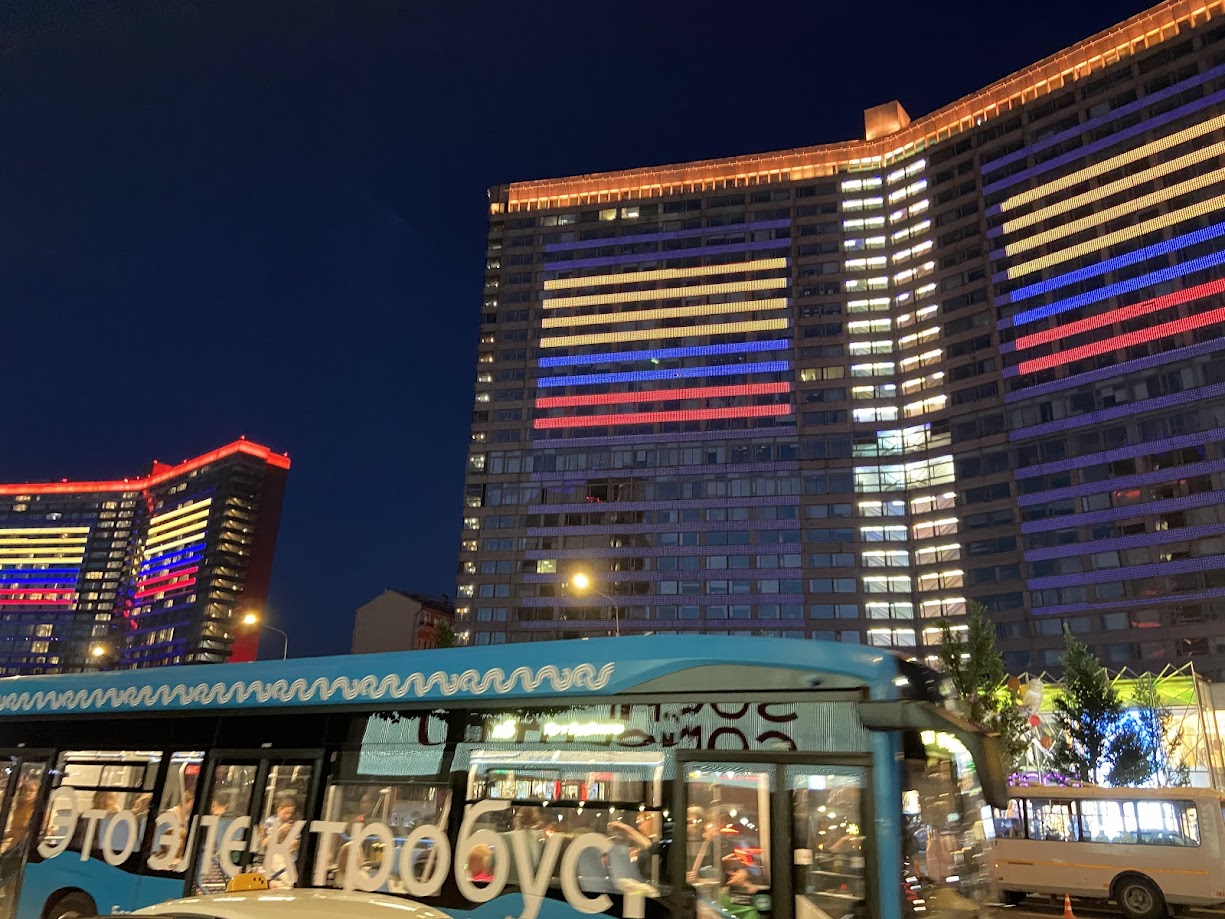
267 218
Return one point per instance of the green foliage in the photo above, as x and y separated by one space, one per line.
975 668
446 636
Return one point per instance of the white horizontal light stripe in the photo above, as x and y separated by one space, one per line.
1119 210
666 293
1113 188
1105 166
672 312
664 274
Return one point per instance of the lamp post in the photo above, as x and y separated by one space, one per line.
252 619
582 583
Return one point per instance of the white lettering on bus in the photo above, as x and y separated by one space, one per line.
118 835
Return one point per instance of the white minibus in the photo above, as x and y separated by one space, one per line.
1151 850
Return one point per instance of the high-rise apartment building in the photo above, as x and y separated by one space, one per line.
838 391
142 571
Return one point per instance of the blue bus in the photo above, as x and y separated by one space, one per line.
709 777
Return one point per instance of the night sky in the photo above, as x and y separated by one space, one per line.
268 218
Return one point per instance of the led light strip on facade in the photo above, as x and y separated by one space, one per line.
665 274
1128 340
1158 403
667 293
669 312
697 414
654 355
1118 236
1113 188
1165 247
634 376
1122 314
1109 165
714 328
1106 142
630 258
665 395
1130 206
666 234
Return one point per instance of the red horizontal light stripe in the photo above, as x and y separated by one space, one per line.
665 395
161 473
163 588
145 582
1124 341
37 590
1122 314
695 414
36 602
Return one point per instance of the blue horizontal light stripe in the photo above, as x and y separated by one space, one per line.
1127 604
1099 268
1152 570
1114 290
1129 452
1147 511
36 572
1135 541
605 261
666 234
719 370
1156 477
1159 403
661 354
162 560
1113 115
1107 142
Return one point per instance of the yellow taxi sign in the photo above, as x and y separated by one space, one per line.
251 880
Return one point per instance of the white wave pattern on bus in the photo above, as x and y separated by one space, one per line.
583 677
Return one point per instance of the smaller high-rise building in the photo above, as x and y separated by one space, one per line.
139 572
399 621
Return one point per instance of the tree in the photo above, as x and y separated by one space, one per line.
446 636
1094 741
975 668
1157 744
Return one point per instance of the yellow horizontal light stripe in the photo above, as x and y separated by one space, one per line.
176 537
172 524
43 540
1105 166
19 565
41 531
1113 188
664 274
1119 210
664 293
42 550
714 328
159 519
670 312
1104 242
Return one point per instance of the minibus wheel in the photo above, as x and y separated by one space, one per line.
1014 897
1139 898
74 905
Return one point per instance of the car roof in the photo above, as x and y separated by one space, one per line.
293 903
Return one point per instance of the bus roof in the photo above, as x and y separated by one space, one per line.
596 667
1105 791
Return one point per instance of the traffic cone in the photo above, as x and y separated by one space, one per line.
1067 907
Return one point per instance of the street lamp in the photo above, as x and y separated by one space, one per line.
101 653
582 583
252 619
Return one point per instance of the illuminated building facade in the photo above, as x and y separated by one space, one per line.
838 391
138 572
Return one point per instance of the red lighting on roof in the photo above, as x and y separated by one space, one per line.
161 473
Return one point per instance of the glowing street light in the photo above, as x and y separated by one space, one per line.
581 582
251 619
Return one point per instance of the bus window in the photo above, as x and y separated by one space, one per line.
399 806
1051 820
1010 823
727 848
113 782
230 798
283 818
175 809
1168 823
1108 821
15 843
827 815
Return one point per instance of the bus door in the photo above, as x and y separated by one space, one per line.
255 809
774 837
21 779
